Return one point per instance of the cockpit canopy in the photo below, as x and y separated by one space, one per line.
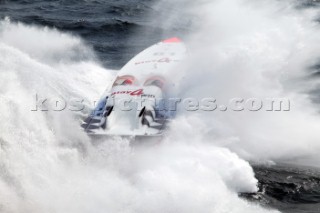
155 81
124 80
127 80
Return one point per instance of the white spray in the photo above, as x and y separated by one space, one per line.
48 164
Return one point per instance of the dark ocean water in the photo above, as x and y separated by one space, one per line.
117 30
111 27
106 25
288 188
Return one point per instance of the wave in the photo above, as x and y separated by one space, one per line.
238 48
252 49
48 163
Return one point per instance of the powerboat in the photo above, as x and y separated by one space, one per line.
137 103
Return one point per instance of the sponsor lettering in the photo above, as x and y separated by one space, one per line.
162 60
132 93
